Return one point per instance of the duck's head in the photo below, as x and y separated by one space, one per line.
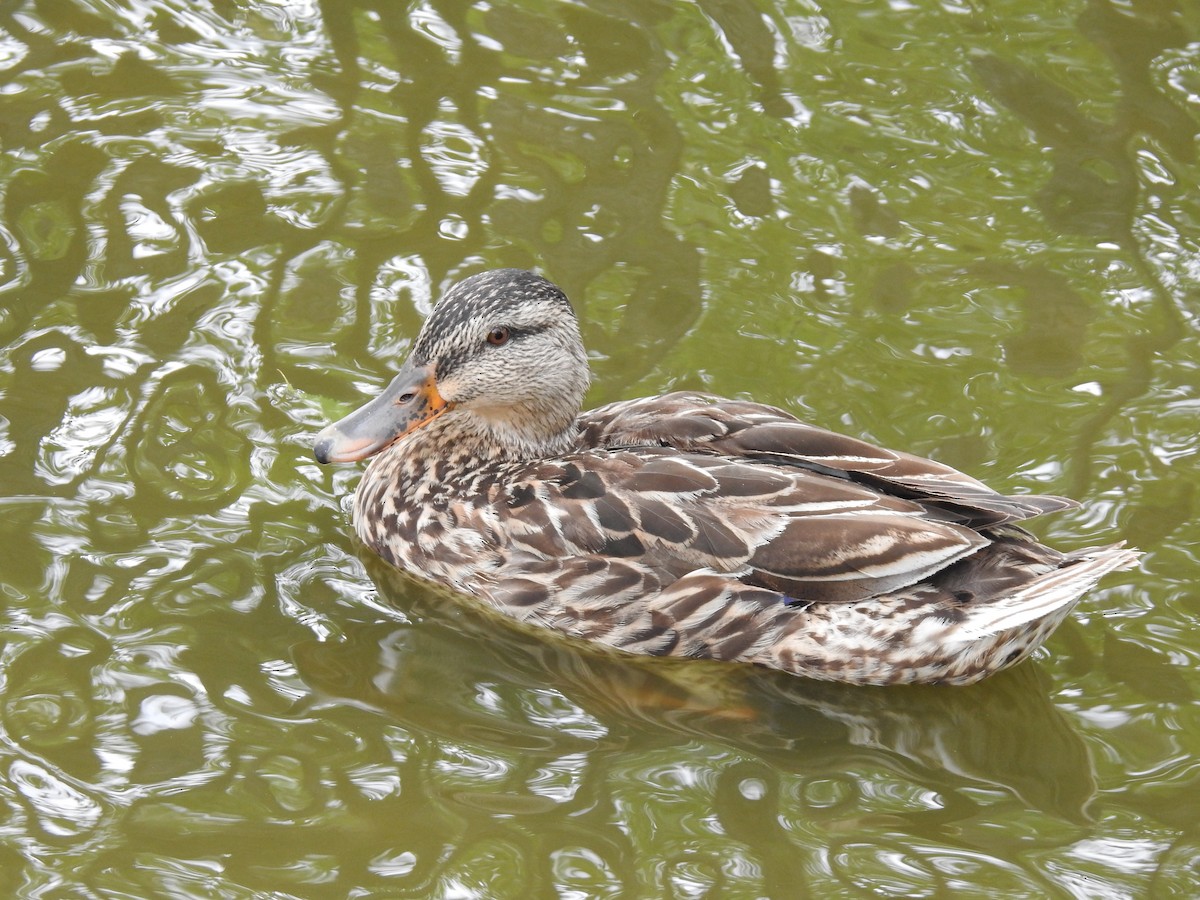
501 356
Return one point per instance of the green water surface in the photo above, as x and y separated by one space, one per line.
965 229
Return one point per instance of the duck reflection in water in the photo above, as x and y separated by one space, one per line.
526 697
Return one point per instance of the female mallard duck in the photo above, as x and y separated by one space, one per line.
687 524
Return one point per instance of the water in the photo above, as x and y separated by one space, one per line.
965 230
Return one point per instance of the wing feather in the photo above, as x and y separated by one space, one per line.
702 423
807 535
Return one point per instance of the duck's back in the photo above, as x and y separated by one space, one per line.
703 423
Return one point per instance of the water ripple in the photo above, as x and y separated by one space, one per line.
59 809
221 227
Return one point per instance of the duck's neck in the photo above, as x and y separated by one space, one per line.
512 433
461 441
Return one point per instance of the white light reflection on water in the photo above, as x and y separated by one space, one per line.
454 153
70 450
163 712
60 809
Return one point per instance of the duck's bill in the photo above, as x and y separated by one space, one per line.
410 401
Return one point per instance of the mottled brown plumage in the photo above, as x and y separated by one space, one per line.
687 524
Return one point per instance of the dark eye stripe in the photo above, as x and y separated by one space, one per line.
451 359
514 334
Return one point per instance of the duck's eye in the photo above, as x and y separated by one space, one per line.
498 336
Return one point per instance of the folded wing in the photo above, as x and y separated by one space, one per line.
702 423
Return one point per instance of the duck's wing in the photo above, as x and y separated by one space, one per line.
702 423
805 534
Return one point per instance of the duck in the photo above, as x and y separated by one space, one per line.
687 524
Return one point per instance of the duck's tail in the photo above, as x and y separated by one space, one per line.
1055 592
985 614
